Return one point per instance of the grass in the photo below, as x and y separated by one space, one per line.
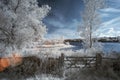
106 71
30 67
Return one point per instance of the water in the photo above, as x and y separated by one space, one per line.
108 47
76 46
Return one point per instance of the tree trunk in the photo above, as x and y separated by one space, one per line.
90 45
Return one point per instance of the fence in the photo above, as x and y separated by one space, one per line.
87 62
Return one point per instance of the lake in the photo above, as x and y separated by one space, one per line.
107 46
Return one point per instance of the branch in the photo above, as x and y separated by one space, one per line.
18 3
4 31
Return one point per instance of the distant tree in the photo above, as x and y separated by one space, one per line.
90 20
118 38
20 23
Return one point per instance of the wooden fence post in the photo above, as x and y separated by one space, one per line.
98 60
61 60
61 65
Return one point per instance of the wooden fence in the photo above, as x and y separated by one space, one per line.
87 61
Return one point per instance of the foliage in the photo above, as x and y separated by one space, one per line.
90 20
20 23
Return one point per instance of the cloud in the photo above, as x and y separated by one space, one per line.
104 15
111 32
64 19
66 33
109 10
111 20
109 28
112 23
68 30
114 3
52 28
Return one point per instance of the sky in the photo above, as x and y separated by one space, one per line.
64 18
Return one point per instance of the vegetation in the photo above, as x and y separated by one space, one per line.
20 23
90 20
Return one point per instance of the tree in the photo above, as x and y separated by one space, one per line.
90 20
20 23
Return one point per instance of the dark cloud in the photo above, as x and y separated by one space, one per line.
65 15
62 14
52 28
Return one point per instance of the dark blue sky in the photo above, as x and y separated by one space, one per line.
64 18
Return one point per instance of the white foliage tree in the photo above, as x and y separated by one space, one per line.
20 23
90 20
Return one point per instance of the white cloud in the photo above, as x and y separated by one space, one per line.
104 15
67 33
109 28
110 33
56 23
111 18
112 22
114 10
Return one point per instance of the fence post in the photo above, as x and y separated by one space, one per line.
61 65
61 60
98 60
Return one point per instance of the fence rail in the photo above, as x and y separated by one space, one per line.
86 62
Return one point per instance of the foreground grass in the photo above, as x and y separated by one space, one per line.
107 71
32 66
